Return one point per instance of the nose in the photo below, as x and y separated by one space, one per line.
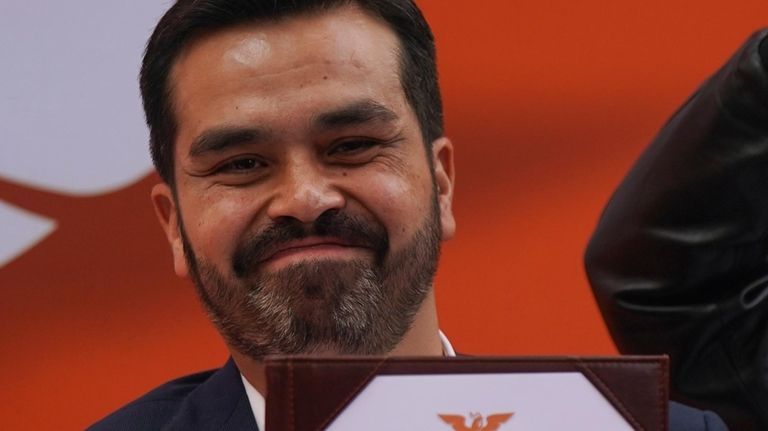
303 193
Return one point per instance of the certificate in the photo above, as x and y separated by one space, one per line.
467 393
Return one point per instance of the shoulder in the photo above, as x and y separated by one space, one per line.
156 408
684 418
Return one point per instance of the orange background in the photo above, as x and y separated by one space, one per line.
548 103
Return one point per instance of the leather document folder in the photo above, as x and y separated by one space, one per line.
467 393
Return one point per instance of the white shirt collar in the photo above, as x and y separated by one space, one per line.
447 347
259 404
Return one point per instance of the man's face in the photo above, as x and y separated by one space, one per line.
305 209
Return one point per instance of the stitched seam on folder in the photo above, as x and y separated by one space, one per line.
342 405
663 395
663 376
291 409
617 402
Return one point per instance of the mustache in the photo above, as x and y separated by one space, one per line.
332 223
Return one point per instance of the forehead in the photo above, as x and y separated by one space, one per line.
290 66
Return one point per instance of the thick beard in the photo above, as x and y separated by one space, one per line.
359 307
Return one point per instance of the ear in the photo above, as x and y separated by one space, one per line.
168 214
442 158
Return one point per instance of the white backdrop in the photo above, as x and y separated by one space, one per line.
70 112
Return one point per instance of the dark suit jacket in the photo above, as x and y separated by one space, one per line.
216 400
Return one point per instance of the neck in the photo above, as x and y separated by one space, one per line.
422 339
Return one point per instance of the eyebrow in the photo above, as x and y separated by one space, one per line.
220 139
361 112
356 113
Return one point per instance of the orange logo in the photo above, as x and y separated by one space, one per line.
493 422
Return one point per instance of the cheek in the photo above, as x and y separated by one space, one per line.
215 222
401 203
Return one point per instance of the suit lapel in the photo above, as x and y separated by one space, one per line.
218 404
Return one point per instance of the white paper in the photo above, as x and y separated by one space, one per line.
537 402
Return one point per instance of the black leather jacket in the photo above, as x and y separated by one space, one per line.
679 260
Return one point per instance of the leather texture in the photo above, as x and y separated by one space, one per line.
216 400
679 263
308 393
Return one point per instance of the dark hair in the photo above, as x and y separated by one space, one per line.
187 19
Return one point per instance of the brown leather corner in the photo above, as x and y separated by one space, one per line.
643 399
313 392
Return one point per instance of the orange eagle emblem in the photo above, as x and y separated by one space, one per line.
492 423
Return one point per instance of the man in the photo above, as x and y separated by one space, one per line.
306 188
678 260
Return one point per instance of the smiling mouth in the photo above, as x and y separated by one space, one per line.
313 248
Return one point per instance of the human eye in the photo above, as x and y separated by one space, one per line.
240 165
353 147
